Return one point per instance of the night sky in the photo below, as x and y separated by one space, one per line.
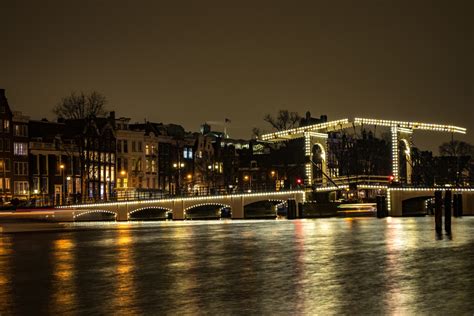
188 62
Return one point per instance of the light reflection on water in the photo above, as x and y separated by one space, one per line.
124 292
5 273
63 270
323 266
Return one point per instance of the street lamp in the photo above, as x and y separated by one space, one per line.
189 178
68 178
178 166
63 191
122 185
107 188
274 177
249 179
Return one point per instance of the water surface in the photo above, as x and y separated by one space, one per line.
320 266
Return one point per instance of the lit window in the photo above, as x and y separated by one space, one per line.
20 149
21 187
6 126
21 130
188 153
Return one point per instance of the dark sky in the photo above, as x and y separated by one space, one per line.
194 61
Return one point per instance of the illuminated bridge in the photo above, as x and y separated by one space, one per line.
401 143
178 207
399 198
317 135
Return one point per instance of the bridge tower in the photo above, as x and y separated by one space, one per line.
310 140
401 135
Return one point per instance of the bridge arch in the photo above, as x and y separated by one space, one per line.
262 208
95 215
198 211
149 213
416 206
319 141
406 168
322 149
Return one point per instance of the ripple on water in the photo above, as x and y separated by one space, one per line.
321 266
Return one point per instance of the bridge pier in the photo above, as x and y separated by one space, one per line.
122 212
237 207
395 203
467 204
178 210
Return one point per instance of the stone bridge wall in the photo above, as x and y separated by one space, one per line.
397 196
179 205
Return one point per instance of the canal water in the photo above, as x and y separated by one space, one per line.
320 266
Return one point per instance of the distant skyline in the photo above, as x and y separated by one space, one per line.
191 62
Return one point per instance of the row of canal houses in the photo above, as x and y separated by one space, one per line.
108 158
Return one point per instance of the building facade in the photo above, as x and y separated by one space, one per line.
21 187
54 165
6 149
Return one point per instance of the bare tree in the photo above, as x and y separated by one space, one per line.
284 120
82 105
256 132
86 107
458 155
456 148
